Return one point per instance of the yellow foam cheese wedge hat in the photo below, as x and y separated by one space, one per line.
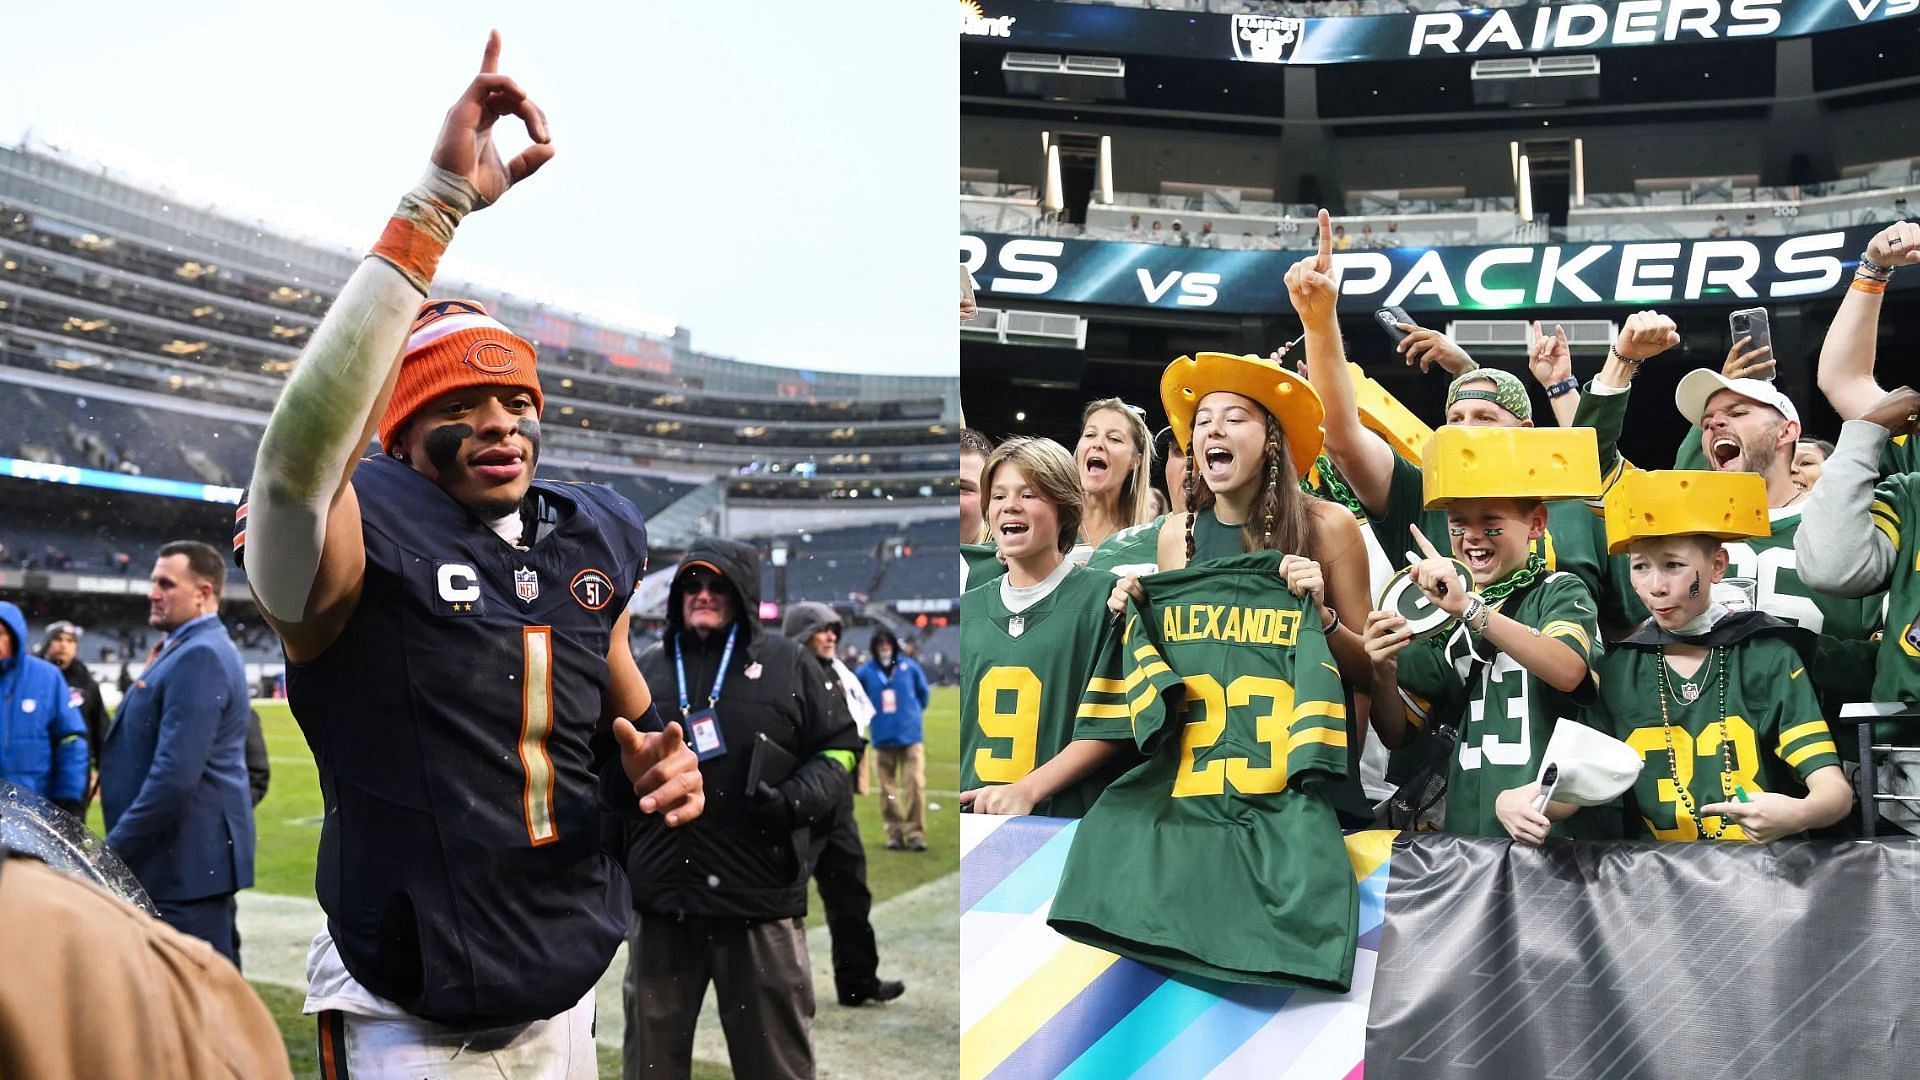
1729 505
1382 413
1290 398
1463 462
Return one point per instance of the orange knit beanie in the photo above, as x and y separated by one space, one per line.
454 344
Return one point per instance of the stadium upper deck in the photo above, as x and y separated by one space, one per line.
161 306
1484 166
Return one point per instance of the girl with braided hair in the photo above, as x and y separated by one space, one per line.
1252 432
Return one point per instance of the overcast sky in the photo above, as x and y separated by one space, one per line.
778 178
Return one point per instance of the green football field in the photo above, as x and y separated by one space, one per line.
288 823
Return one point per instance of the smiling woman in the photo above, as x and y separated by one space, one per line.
1115 456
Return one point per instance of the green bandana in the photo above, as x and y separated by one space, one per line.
1507 391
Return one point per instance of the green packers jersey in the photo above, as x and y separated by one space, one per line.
1902 455
979 564
1773 734
1504 713
1021 680
1129 551
1366 782
1219 855
1575 540
1896 513
1763 571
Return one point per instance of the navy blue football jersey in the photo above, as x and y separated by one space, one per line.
460 864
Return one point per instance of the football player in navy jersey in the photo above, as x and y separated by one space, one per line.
456 640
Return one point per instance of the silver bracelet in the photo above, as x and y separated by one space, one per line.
1476 609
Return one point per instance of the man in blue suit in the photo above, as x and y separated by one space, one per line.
173 773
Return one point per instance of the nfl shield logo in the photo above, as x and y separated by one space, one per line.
1017 625
526 585
1267 39
1690 691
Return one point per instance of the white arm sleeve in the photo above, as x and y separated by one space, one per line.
318 428
326 413
1836 549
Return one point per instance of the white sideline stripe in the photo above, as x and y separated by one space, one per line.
306 911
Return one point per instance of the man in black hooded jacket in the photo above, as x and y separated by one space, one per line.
725 898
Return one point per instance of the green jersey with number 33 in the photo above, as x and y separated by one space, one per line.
1774 736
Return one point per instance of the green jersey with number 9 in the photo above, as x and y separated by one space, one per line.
1504 713
1022 674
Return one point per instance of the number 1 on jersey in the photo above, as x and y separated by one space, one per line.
536 724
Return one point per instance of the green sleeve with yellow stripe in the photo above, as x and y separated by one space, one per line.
1124 695
1799 735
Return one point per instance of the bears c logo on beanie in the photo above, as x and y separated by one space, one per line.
456 344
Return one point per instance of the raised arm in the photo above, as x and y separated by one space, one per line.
1551 362
1362 456
1846 356
1842 546
306 554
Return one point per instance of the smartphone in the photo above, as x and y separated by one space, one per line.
1752 322
1387 317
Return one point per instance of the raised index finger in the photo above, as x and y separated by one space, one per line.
490 60
1323 262
1426 545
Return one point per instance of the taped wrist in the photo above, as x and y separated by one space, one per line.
422 225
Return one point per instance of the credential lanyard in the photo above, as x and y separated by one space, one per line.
719 677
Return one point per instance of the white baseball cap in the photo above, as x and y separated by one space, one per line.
1702 383
1595 768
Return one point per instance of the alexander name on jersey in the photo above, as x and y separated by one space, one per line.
1229 623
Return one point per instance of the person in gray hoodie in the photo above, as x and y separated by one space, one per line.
839 858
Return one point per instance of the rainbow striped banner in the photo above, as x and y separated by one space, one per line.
1034 1004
